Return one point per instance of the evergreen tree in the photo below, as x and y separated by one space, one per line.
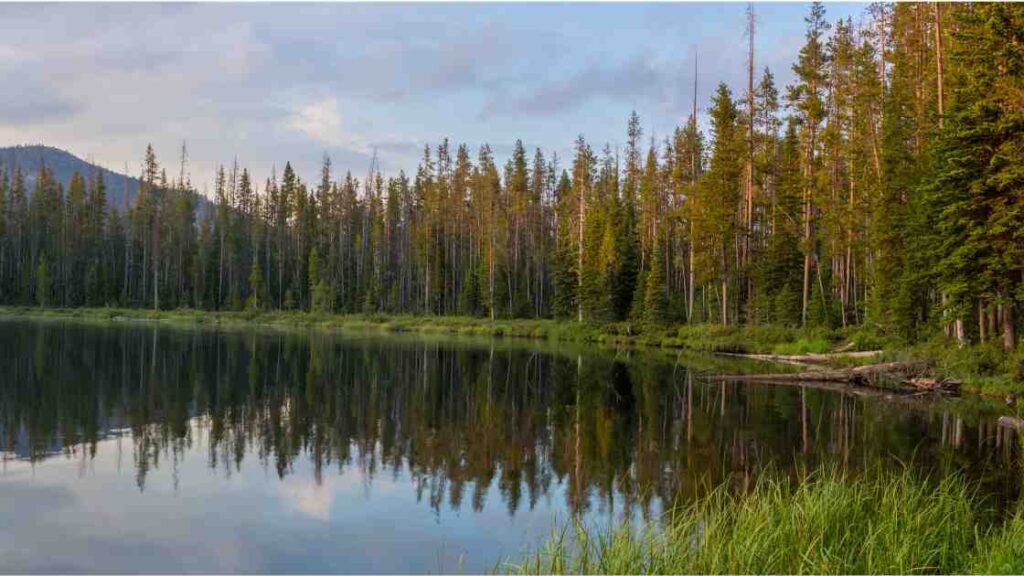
43 284
717 201
655 308
977 187
805 98
320 291
255 300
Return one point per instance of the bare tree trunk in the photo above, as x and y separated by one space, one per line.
692 285
220 272
808 176
490 258
807 254
748 213
725 301
981 322
156 260
938 60
579 256
881 59
1009 329
693 181
125 291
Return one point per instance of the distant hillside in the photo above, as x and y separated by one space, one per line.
64 164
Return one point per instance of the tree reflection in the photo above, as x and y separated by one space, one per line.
461 420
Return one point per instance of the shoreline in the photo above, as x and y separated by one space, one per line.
700 338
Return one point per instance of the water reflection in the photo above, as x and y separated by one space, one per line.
329 435
618 433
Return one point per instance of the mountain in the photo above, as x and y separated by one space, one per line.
64 164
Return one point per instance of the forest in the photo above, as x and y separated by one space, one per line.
884 188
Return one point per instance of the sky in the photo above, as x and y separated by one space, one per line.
270 83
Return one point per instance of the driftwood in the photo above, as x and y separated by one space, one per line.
912 399
841 387
855 375
863 377
936 385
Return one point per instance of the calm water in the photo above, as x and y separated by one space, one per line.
143 449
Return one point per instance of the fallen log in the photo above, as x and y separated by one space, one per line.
911 398
844 388
855 375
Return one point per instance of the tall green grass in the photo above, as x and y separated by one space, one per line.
878 523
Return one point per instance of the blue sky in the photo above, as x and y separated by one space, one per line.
268 83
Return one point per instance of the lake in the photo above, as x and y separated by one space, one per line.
138 448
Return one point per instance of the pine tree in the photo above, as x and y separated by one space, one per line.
779 268
5 238
43 285
806 98
255 300
655 306
718 199
977 187
319 290
566 277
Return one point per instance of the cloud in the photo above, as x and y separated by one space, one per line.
309 498
274 83
240 51
638 78
320 121
23 105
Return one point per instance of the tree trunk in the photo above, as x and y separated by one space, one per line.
692 281
938 60
579 257
1009 329
725 302
748 209
981 322
807 257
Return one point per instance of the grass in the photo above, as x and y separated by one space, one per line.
878 523
803 346
757 339
705 338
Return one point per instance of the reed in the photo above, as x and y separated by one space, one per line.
882 522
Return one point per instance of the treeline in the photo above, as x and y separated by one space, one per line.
882 188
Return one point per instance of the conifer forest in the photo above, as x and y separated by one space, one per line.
883 188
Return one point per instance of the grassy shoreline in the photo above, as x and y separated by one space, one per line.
881 523
704 338
984 369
